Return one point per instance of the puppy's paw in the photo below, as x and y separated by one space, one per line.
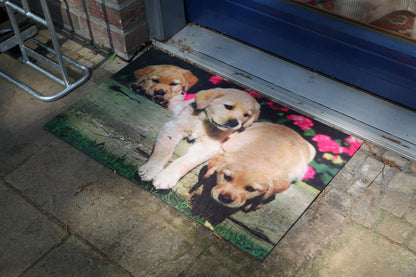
149 170
166 180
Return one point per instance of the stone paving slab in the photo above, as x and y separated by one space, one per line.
26 234
299 251
120 218
74 258
363 253
21 122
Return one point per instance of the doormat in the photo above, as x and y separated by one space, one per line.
233 160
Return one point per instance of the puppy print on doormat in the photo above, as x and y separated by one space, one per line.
257 164
208 120
221 155
164 84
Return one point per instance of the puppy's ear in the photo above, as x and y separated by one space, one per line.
214 164
260 188
204 97
142 73
278 185
254 116
190 78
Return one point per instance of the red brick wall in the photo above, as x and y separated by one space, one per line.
116 24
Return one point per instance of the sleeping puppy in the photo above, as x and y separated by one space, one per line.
208 121
164 84
257 164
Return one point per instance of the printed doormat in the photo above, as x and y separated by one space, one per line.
233 160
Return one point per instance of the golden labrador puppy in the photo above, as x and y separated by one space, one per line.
208 121
164 84
258 163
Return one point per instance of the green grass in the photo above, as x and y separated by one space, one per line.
243 241
60 128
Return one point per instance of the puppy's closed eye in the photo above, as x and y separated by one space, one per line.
250 189
228 107
228 178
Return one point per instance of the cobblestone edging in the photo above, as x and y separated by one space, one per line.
377 189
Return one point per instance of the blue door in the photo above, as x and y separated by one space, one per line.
373 61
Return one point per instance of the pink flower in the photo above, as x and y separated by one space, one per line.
216 80
326 144
354 144
276 107
309 174
303 122
254 94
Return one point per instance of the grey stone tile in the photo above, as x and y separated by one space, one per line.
412 217
365 213
342 180
74 258
295 254
363 191
21 124
212 262
371 148
356 161
395 159
26 234
412 167
412 244
339 201
395 203
371 170
362 253
115 65
395 229
159 252
6 95
404 183
120 218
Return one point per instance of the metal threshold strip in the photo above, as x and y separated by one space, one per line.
338 105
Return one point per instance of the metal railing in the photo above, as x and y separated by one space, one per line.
27 53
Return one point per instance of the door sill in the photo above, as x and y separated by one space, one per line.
338 105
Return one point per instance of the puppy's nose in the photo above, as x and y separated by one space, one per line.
225 198
160 100
231 123
159 92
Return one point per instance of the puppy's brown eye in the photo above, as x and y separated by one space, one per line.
250 189
228 107
155 81
228 178
173 84
246 115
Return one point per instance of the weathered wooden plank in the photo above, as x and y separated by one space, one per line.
120 120
274 219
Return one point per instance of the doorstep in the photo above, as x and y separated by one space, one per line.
341 106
